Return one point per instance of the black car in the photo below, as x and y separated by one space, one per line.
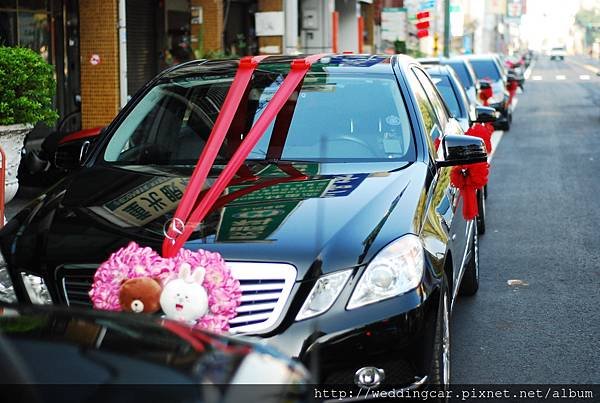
91 353
463 69
489 69
342 226
466 113
454 95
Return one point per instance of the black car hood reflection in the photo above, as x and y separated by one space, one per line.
59 345
324 216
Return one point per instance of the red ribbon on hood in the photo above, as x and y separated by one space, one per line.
178 235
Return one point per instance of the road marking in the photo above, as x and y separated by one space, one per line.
496 137
586 66
560 77
529 70
591 68
536 78
584 77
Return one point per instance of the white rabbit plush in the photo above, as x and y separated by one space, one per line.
184 298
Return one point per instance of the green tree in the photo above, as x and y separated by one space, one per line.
590 20
27 87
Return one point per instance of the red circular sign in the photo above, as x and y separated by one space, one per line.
95 60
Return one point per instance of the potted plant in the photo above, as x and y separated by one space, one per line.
27 89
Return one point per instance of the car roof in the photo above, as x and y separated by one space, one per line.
431 60
486 56
439 70
347 63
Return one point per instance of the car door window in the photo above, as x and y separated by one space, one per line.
433 95
430 120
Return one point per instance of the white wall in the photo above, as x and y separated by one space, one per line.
348 34
290 38
315 25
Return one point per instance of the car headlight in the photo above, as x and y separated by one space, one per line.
36 289
323 294
398 268
7 291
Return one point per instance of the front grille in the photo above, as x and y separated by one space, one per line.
265 290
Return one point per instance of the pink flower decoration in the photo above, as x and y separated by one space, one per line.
133 261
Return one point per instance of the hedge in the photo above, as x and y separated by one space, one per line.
27 87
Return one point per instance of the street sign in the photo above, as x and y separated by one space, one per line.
422 25
95 60
424 5
393 24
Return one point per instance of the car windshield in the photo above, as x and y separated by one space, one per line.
486 70
462 72
445 88
335 117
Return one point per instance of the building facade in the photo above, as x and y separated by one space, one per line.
104 51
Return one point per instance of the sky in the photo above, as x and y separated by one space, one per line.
548 22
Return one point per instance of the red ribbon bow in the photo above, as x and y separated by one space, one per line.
485 94
484 132
469 178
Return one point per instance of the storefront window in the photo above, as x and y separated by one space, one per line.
25 23
32 4
8 3
8 28
34 32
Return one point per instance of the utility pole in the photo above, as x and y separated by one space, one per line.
447 28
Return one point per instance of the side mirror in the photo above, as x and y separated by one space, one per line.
484 85
485 114
70 156
462 150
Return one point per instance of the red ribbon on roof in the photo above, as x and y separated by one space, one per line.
178 234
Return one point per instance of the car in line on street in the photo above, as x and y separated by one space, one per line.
489 69
94 351
466 113
343 227
557 53
463 69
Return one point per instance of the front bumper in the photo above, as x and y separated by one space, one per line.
383 335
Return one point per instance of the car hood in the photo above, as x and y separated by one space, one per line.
83 347
321 218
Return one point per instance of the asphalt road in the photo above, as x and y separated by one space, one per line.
543 228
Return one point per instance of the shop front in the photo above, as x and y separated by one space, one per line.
51 28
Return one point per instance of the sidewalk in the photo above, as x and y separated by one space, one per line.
588 63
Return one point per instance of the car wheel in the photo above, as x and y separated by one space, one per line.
440 373
470 281
481 213
505 125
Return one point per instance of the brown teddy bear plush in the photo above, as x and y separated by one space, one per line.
140 295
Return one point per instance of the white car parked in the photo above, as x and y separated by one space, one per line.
558 52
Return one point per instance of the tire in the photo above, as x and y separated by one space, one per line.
481 215
470 280
485 191
506 124
440 366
